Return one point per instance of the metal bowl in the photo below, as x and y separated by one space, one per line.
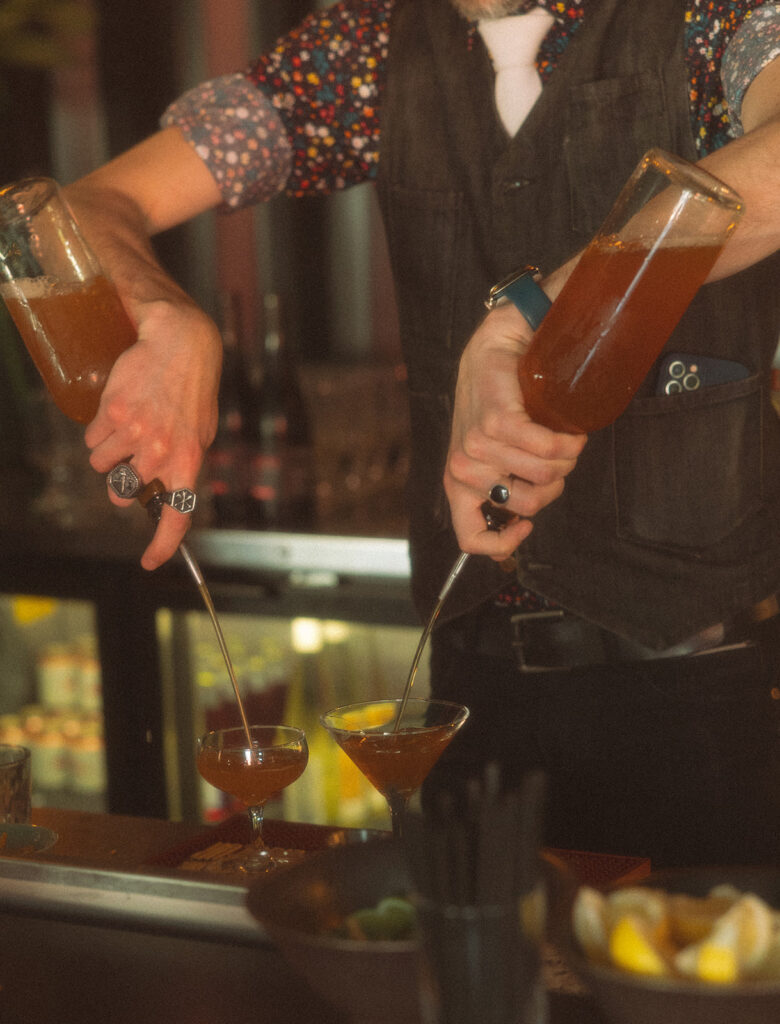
632 999
301 906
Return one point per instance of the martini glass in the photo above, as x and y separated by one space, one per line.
395 751
276 758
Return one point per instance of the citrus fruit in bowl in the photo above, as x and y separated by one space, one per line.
694 946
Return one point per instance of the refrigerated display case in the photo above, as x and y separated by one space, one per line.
311 620
51 697
333 626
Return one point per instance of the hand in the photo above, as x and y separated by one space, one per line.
494 440
159 408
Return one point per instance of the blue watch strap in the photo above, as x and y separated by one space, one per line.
522 289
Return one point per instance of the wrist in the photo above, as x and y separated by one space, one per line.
523 290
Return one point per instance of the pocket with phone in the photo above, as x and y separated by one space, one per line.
681 372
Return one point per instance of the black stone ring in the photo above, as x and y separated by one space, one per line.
499 494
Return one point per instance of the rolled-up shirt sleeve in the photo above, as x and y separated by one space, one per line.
235 130
756 44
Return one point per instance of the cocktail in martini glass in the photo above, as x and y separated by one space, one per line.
395 753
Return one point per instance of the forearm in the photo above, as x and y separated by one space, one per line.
116 230
154 186
751 166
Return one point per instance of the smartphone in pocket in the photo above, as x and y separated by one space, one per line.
681 372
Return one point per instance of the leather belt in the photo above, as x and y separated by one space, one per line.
553 640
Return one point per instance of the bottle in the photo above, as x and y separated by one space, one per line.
224 461
280 486
626 294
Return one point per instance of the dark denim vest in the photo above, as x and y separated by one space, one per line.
669 522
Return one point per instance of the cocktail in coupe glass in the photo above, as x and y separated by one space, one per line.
395 756
68 313
277 757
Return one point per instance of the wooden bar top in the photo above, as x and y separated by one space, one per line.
113 842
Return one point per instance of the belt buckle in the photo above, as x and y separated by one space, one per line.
517 621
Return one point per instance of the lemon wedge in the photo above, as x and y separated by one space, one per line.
692 918
589 922
650 906
737 944
632 948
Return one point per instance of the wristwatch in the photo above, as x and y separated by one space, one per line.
522 289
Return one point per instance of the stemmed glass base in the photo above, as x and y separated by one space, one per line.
253 774
397 802
258 859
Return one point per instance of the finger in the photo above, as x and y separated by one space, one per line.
123 482
170 532
476 537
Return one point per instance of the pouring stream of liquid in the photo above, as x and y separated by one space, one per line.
151 499
496 519
454 573
204 592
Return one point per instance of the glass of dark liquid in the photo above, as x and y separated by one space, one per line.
627 293
67 311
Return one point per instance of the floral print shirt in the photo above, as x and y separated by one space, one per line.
304 118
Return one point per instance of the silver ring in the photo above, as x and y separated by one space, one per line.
124 481
182 499
499 494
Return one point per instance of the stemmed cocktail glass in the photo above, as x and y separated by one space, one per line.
253 775
395 754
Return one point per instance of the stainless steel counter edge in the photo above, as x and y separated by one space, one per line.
146 902
290 553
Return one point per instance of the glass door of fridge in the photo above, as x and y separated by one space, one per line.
51 697
289 671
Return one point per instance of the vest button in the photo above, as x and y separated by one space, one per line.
517 184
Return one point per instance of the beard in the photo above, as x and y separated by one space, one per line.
475 9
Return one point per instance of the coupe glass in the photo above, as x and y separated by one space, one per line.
395 756
277 757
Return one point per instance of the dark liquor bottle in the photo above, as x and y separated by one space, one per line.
280 487
225 459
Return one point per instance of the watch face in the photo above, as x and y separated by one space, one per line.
498 293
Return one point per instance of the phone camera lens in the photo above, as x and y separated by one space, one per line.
673 387
677 369
691 382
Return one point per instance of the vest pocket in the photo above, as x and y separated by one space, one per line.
688 467
609 124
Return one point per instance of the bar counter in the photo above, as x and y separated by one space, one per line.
103 926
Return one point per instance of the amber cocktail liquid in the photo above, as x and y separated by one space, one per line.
395 742
593 350
91 330
68 313
396 761
252 777
626 295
